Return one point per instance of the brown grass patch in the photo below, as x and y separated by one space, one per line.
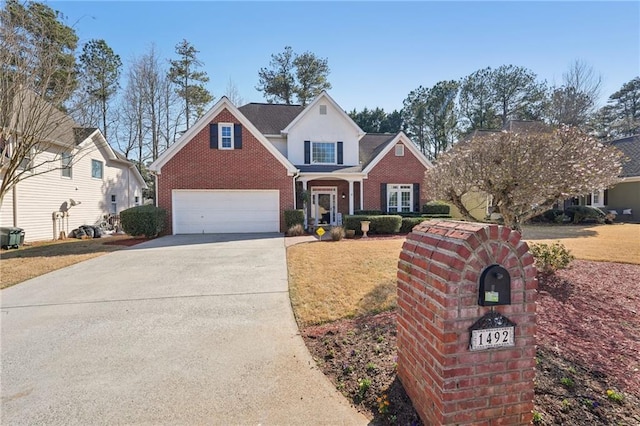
333 280
38 258
604 243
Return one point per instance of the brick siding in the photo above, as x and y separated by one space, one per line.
438 274
197 166
392 169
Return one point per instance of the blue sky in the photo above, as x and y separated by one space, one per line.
377 51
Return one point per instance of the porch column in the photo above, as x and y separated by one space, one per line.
361 194
350 197
305 206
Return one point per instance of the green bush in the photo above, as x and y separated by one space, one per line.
409 222
550 258
436 207
143 220
579 214
293 217
554 215
367 212
382 224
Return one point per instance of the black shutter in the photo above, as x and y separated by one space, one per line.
307 152
383 197
213 136
606 197
237 136
588 202
340 156
416 197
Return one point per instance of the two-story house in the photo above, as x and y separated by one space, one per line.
73 178
239 169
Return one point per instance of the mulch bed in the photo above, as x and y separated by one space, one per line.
588 352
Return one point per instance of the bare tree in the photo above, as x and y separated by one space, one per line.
576 100
233 94
33 82
524 172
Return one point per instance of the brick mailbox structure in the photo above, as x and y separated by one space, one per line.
440 271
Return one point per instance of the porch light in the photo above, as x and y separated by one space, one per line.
344 195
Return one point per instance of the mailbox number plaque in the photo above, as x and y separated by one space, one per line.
493 330
492 338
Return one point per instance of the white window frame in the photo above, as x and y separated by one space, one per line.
114 204
398 189
101 169
66 167
221 138
335 152
323 109
399 150
27 162
600 198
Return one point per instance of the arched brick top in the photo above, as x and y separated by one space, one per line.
438 273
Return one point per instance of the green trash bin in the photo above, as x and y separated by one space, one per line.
11 237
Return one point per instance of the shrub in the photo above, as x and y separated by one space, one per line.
143 220
293 217
550 258
580 213
367 212
295 230
385 224
337 233
409 222
436 207
554 215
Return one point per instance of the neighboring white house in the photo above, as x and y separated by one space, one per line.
83 180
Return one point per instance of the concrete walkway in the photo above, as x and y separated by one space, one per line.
179 330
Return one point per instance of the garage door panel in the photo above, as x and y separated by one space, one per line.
225 211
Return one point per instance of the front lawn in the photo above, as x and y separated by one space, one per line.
333 282
35 259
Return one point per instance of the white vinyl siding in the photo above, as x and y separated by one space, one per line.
225 211
40 195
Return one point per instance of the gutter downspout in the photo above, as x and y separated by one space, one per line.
14 194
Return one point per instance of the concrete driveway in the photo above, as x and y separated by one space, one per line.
179 330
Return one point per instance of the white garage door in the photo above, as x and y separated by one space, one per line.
219 211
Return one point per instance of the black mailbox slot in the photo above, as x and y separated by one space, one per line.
495 286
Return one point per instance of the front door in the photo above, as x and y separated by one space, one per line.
323 205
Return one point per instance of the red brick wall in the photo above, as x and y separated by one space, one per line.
438 274
392 169
196 166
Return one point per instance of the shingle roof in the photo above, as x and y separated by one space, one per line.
82 133
630 147
270 119
372 144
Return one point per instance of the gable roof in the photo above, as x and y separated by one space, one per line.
372 144
270 119
381 150
223 103
322 96
630 147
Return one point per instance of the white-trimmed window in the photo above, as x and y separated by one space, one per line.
323 109
597 199
225 135
399 150
399 198
27 160
65 164
114 204
97 169
323 152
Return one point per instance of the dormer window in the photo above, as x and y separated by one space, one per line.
323 110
